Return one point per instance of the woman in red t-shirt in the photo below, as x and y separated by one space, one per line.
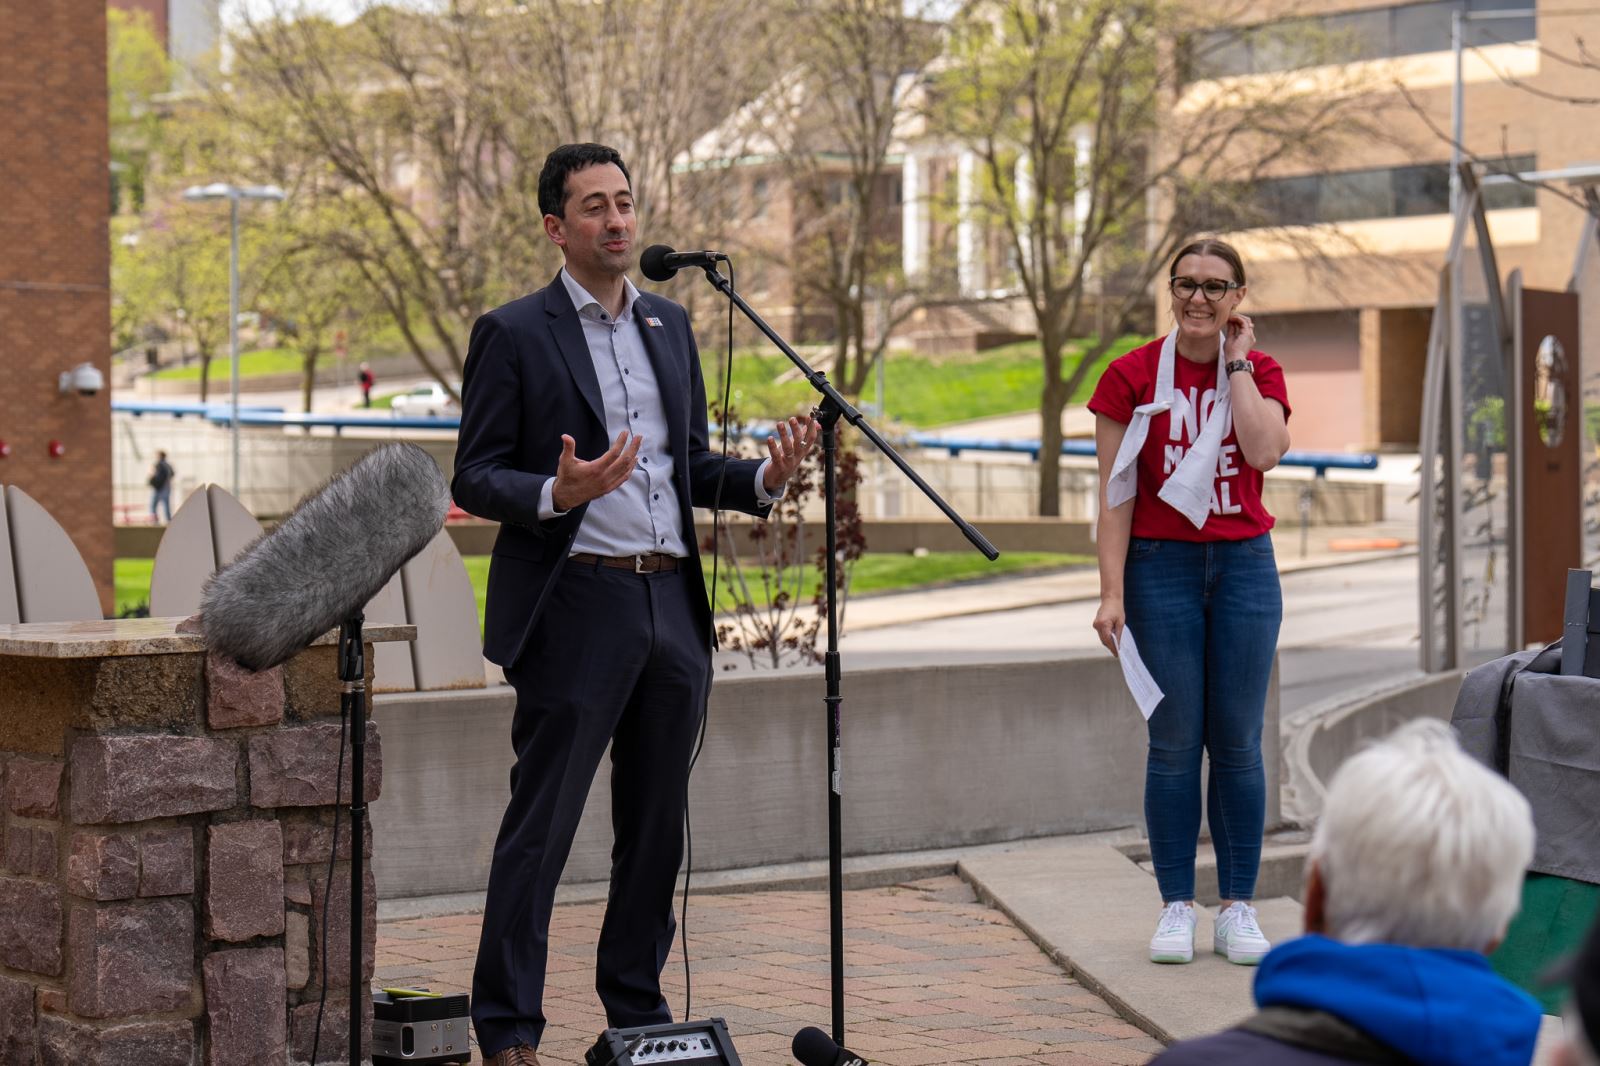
1184 428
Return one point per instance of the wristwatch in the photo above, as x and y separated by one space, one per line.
1240 364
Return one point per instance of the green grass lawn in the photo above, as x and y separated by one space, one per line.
873 573
131 581
919 391
251 364
891 573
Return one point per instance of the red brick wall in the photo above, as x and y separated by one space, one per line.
55 265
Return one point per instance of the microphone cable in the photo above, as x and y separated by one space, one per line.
705 705
327 887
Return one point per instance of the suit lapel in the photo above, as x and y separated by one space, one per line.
574 348
665 360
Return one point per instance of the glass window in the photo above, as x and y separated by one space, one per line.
1357 35
1355 194
1290 201
1500 30
1221 54
1343 37
1285 45
1421 190
1496 197
1422 27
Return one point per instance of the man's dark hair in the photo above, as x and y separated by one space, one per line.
565 160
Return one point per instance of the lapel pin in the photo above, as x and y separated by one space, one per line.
652 322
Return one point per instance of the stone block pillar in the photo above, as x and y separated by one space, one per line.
166 831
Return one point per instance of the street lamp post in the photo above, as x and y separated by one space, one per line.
1458 21
220 190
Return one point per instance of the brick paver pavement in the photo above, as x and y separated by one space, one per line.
933 976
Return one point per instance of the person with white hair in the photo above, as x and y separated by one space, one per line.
1415 871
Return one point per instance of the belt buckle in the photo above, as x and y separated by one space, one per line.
638 564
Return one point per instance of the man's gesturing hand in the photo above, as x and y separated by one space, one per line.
577 482
788 445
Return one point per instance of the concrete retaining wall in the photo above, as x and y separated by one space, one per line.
933 757
1325 736
277 467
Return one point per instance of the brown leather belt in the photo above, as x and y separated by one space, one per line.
653 563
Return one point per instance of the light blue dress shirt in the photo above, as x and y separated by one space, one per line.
641 515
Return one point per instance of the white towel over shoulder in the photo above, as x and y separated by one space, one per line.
1188 489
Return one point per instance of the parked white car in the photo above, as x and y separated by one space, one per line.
426 400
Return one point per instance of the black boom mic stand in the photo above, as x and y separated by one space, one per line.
832 408
353 697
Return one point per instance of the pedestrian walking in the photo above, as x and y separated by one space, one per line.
1185 426
161 487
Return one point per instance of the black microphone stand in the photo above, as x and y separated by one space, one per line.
832 408
353 700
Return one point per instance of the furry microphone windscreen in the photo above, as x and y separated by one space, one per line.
322 564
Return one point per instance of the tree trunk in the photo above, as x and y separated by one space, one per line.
205 374
1051 401
308 377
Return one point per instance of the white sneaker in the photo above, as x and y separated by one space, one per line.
1174 939
1239 937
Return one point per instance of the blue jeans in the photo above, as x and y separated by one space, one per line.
162 498
1206 618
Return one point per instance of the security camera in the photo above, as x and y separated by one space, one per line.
85 379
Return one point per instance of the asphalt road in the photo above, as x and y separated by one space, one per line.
1345 627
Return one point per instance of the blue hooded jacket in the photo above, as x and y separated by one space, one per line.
1432 1005
1435 1005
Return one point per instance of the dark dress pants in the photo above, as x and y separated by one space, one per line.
615 657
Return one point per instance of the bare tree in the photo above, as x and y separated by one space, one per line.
1104 148
428 129
827 120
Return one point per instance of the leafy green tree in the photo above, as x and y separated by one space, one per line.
137 73
313 291
173 272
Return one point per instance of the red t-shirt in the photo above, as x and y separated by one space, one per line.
1236 509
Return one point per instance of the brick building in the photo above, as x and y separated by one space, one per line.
55 266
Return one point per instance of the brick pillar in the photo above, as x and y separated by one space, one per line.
164 845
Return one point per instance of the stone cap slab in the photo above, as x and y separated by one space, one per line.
104 638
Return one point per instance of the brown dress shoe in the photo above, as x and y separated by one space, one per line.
521 1055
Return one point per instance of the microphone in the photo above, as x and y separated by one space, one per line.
813 1047
659 262
322 564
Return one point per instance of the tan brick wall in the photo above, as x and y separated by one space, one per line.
54 265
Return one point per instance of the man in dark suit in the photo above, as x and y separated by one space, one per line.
596 607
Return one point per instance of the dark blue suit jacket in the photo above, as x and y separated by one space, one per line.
530 378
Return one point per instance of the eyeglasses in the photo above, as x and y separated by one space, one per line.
1214 288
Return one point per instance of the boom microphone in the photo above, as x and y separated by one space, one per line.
322 564
813 1047
659 262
